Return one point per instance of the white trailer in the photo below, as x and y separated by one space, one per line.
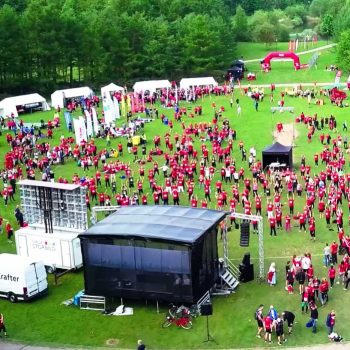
58 250
21 278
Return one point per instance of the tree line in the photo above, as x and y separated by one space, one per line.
48 44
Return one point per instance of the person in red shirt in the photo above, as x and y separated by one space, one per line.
291 205
268 328
288 226
331 275
302 222
312 229
9 232
324 287
334 252
144 199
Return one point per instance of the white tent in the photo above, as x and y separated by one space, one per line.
185 83
57 98
110 88
9 105
151 85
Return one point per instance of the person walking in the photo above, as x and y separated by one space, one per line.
313 316
326 255
2 325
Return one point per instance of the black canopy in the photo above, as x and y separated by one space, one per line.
278 154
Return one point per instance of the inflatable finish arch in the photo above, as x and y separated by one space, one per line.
266 62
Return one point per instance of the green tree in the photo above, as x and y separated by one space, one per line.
265 32
240 25
327 26
343 51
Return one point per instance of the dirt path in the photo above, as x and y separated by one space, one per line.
287 136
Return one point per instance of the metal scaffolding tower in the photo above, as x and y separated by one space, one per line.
259 219
54 204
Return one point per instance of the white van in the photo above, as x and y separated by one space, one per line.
21 278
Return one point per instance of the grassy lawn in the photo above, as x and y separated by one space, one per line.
46 321
251 51
283 71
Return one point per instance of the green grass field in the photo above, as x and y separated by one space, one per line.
46 321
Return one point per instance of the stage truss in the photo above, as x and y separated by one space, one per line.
257 218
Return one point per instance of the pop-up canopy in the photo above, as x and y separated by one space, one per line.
110 88
8 106
185 83
151 85
57 98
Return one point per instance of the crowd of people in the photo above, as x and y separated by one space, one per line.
207 165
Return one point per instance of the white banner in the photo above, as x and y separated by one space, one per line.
296 44
79 128
83 127
94 120
116 108
108 109
89 131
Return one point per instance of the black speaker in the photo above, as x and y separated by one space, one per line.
206 309
247 273
246 259
244 241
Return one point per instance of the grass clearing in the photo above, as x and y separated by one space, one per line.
46 321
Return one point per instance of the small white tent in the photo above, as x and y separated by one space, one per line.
8 106
151 85
185 83
57 98
110 88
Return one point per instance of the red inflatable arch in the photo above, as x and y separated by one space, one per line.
266 62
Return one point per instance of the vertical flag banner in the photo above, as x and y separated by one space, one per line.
108 109
337 77
83 128
94 119
116 108
129 103
89 131
68 118
79 127
123 106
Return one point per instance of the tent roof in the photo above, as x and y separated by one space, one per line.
173 223
80 91
22 100
111 87
151 85
186 82
277 148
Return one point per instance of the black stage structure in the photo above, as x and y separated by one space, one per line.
164 253
278 155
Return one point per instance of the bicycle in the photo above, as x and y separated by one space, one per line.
181 318
176 310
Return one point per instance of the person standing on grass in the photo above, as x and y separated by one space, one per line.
334 252
2 325
330 321
331 275
260 320
300 276
324 287
141 345
289 317
326 255
279 330
268 329
271 275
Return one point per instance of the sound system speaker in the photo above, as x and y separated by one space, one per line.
246 259
206 309
247 273
244 241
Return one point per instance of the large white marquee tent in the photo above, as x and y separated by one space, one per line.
8 105
57 98
151 85
185 83
110 88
